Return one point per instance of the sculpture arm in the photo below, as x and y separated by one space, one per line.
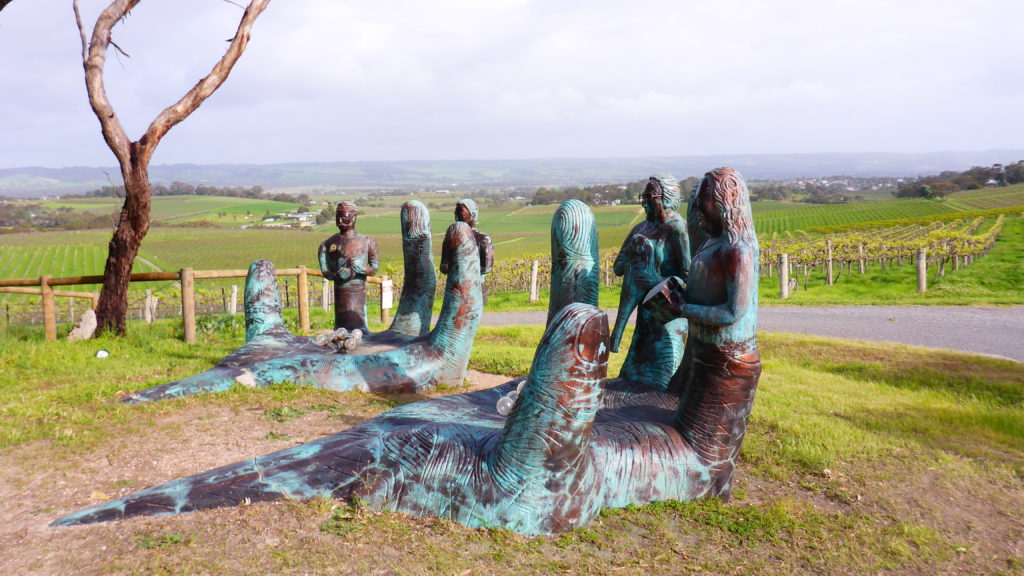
367 267
622 260
682 245
486 254
738 268
321 254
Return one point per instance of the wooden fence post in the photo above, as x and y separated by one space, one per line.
325 301
828 264
860 258
783 276
303 295
49 309
188 304
608 272
234 300
922 270
534 293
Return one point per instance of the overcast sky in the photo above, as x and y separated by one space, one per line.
464 79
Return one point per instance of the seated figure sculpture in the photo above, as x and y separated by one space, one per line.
347 258
655 249
573 443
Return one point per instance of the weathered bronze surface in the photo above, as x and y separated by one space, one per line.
387 361
656 248
466 211
347 258
573 442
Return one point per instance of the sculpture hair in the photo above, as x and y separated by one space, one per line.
732 201
470 205
343 205
669 187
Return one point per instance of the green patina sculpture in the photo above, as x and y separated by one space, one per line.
575 259
412 318
573 444
388 361
655 249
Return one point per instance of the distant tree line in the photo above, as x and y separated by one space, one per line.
941 185
28 217
603 194
186 189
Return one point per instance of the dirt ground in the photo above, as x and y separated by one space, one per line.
41 481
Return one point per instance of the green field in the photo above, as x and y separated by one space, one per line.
184 209
518 232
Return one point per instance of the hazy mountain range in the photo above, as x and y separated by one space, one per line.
324 176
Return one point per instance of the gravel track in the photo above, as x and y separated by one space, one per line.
991 331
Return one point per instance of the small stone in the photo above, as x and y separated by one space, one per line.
102 353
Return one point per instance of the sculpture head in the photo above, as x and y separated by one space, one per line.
723 206
660 197
415 220
466 211
345 217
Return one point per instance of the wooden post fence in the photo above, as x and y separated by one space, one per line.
49 309
783 276
303 295
43 287
922 270
828 264
188 304
534 292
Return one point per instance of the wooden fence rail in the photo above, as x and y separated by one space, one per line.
43 286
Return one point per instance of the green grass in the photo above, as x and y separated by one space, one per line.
841 433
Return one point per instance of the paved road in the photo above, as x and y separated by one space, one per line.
998 332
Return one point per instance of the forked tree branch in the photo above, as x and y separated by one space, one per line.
208 85
94 59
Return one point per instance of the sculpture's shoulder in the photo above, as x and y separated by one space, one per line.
676 224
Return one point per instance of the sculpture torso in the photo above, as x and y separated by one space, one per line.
656 349
347 259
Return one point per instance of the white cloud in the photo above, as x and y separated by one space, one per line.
459 78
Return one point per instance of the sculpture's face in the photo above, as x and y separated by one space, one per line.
346 219
710 219
651 201
462 214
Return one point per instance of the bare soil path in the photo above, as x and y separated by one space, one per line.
992 331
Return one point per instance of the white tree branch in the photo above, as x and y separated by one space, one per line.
94 60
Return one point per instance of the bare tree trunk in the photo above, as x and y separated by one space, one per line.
134 156
112 310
